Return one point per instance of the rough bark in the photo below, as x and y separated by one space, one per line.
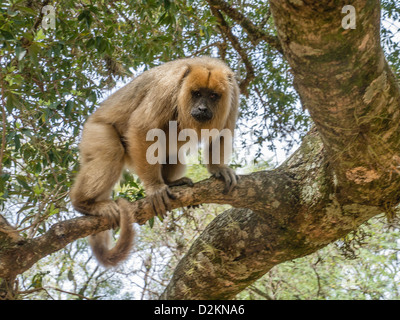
345 172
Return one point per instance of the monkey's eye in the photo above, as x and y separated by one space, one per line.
214 96
196 94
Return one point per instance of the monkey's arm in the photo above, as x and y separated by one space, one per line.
221 169
219 166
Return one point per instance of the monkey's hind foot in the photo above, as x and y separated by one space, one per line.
181 182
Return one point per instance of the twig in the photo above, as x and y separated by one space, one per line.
260 293
225 29
255 33
4 127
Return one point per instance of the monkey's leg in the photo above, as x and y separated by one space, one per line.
173 175
102 157
102 161
157 190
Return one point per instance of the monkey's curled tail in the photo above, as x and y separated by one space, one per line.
101 242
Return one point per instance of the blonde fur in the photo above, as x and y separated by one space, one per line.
115 137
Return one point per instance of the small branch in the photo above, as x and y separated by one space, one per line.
40 18
8 233
4 126
314 267
225 29
255 33
260 293
27 292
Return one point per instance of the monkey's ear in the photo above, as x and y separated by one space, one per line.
231 77
186 73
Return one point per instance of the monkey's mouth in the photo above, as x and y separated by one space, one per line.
201 116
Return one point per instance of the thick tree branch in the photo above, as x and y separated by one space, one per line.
342 175
294 212
346 84
22 254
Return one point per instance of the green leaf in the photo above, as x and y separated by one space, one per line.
90 43
151 222
167 4
5 35
68 108
53 210
70 275
101 44
22 181
17 142
86 18
20 52
29 11
38 190
12 102
40 35
34 53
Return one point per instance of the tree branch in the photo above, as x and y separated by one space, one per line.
344 81
255 33
343 173
226 30
20 256
294 212
3 124
8 234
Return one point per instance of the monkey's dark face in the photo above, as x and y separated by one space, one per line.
204 98
204 103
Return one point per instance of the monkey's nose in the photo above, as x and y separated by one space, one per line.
202 114
202 108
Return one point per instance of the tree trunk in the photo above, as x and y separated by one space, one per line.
345 172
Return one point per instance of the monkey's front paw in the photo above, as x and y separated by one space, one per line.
160 200
228 175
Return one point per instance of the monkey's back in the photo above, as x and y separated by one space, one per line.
150 99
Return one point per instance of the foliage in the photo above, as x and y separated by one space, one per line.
390 33
52 79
